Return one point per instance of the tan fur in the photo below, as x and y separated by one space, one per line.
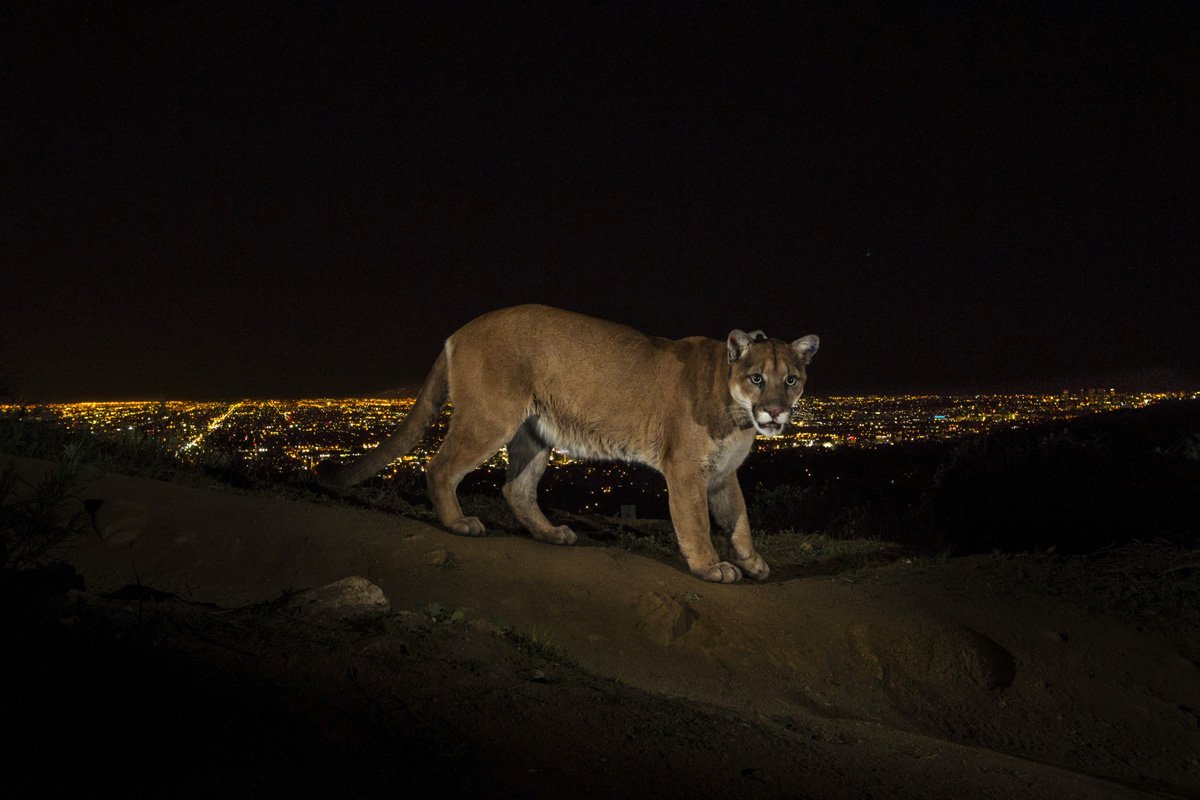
532 377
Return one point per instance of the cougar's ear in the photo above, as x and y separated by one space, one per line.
757 336
806 347
738 341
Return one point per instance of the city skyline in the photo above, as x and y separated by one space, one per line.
331 427
286 439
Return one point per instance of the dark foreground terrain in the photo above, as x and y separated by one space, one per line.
202 641
146 693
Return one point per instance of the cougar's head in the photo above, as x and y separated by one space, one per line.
766 377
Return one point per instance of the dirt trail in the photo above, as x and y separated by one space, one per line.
947 667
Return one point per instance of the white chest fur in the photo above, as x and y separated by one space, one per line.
728 454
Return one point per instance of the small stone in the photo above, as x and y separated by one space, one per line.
437 558
117 521
349 597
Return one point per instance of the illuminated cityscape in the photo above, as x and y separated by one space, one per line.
286 438
296 434
874 421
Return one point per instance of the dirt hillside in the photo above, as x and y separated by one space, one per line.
921 678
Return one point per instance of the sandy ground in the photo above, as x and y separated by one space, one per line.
925 679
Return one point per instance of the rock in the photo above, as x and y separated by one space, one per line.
437 558
117 521
349 597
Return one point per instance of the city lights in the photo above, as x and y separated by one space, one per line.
296 434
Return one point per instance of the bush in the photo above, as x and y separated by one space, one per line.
1074 489
778 508
132 453
35 518
1076 485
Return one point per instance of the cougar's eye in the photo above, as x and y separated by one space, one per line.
756 379
790 380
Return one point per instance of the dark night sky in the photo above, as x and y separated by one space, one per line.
284 199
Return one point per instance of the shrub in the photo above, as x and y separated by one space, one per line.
1073 489
35 518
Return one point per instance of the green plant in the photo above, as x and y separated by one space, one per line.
27 433
819 554
537 643
655 543
776 508
1190 447
34 520
439 613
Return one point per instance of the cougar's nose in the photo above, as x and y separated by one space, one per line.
774 411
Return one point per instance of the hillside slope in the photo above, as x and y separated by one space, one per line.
928 678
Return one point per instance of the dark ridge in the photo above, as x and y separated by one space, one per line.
1076 485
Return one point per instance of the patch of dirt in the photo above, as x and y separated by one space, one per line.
517 668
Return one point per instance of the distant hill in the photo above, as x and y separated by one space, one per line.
1076 485
1146 379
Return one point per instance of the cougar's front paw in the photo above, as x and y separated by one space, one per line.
559 535
722 572
754 567
466 526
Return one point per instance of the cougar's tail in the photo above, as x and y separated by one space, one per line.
429 403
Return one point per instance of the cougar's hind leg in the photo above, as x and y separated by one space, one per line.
528 454
476 433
